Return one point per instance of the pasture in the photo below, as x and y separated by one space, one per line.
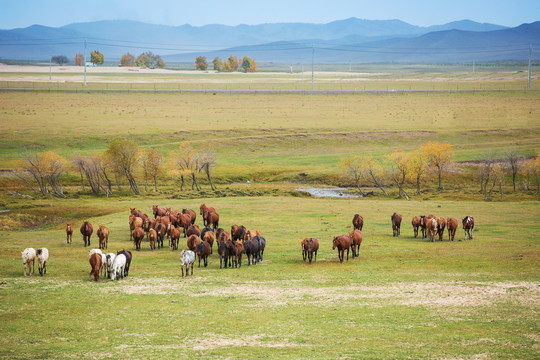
402 297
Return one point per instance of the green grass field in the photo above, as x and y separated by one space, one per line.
403 298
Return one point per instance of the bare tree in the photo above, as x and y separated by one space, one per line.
154 161
207 161
514 160
185 161
124 155
485 172
372 172
352 166
45 169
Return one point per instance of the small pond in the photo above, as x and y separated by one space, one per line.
327 192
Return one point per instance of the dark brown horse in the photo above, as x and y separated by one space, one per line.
356 237
69 233
358 222
203 251
304 248
252 248
192 242
396 224
415 225
441 224
192 214
86 231
236 249
212 219
262 246
224 254
161 232
238 232
342 243
468 226
422 225
194 230
95 265
312 246
138 235
451 225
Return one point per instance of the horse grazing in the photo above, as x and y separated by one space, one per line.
468 226
157 211
356 238
29 260
209 236
187 257
192 242
95 265
119 267
396 224
441 224
69 233
415 225
138 235
342 243
311 247
86 231
431 227
175 237
251 249
103 235
358 222
192 214
127 254
203 250
42 258
212 219
451 225
161 230
262 245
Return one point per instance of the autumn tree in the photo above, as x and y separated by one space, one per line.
127 60
417 168
233 61
60 59
372 172
184 160
218 64
200 63
496 179
44 169
531 169
124 155
399 169
79 60
249 65
152 162
96 57
438 155
95 169
207 161
149 60
484 170
226 66
352 166
514 160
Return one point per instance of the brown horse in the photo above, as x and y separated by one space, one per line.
157 211
194 230
192 242
175 237
356 237
203 251
468 226
103 235
422 225
183 221
396 224
415 225
237 232
236 249
161 230
95 265
134 222
152 237
451 225
431 227
441 224
342 243
86 231
358 222
312 246
192 214
138 235
304 248
69 233
250 234
209 236
203 208
212 219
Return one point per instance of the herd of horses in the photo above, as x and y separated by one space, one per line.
231 246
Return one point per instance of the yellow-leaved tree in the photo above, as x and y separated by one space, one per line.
417 168
438 155
372 172
45 169
398 170
184 160
352 166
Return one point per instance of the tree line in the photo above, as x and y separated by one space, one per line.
232 64
144 60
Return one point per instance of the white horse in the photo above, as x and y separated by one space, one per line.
187 257
109 261
29 260
42 257
118 266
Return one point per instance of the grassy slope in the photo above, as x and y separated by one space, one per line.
403 298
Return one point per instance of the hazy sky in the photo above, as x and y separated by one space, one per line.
54 13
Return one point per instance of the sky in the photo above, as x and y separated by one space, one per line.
55 13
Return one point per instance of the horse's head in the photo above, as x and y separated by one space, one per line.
334 242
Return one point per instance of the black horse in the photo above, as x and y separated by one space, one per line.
252 250
262 245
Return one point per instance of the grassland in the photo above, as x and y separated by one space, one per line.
402 298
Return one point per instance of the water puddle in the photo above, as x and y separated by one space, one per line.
327 192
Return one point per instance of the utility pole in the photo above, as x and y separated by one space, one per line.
84 62
312 62
50 68
530 54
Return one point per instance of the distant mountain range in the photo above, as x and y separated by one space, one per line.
344 41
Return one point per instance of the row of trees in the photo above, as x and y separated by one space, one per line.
399 168
122 159
146 60
246 64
